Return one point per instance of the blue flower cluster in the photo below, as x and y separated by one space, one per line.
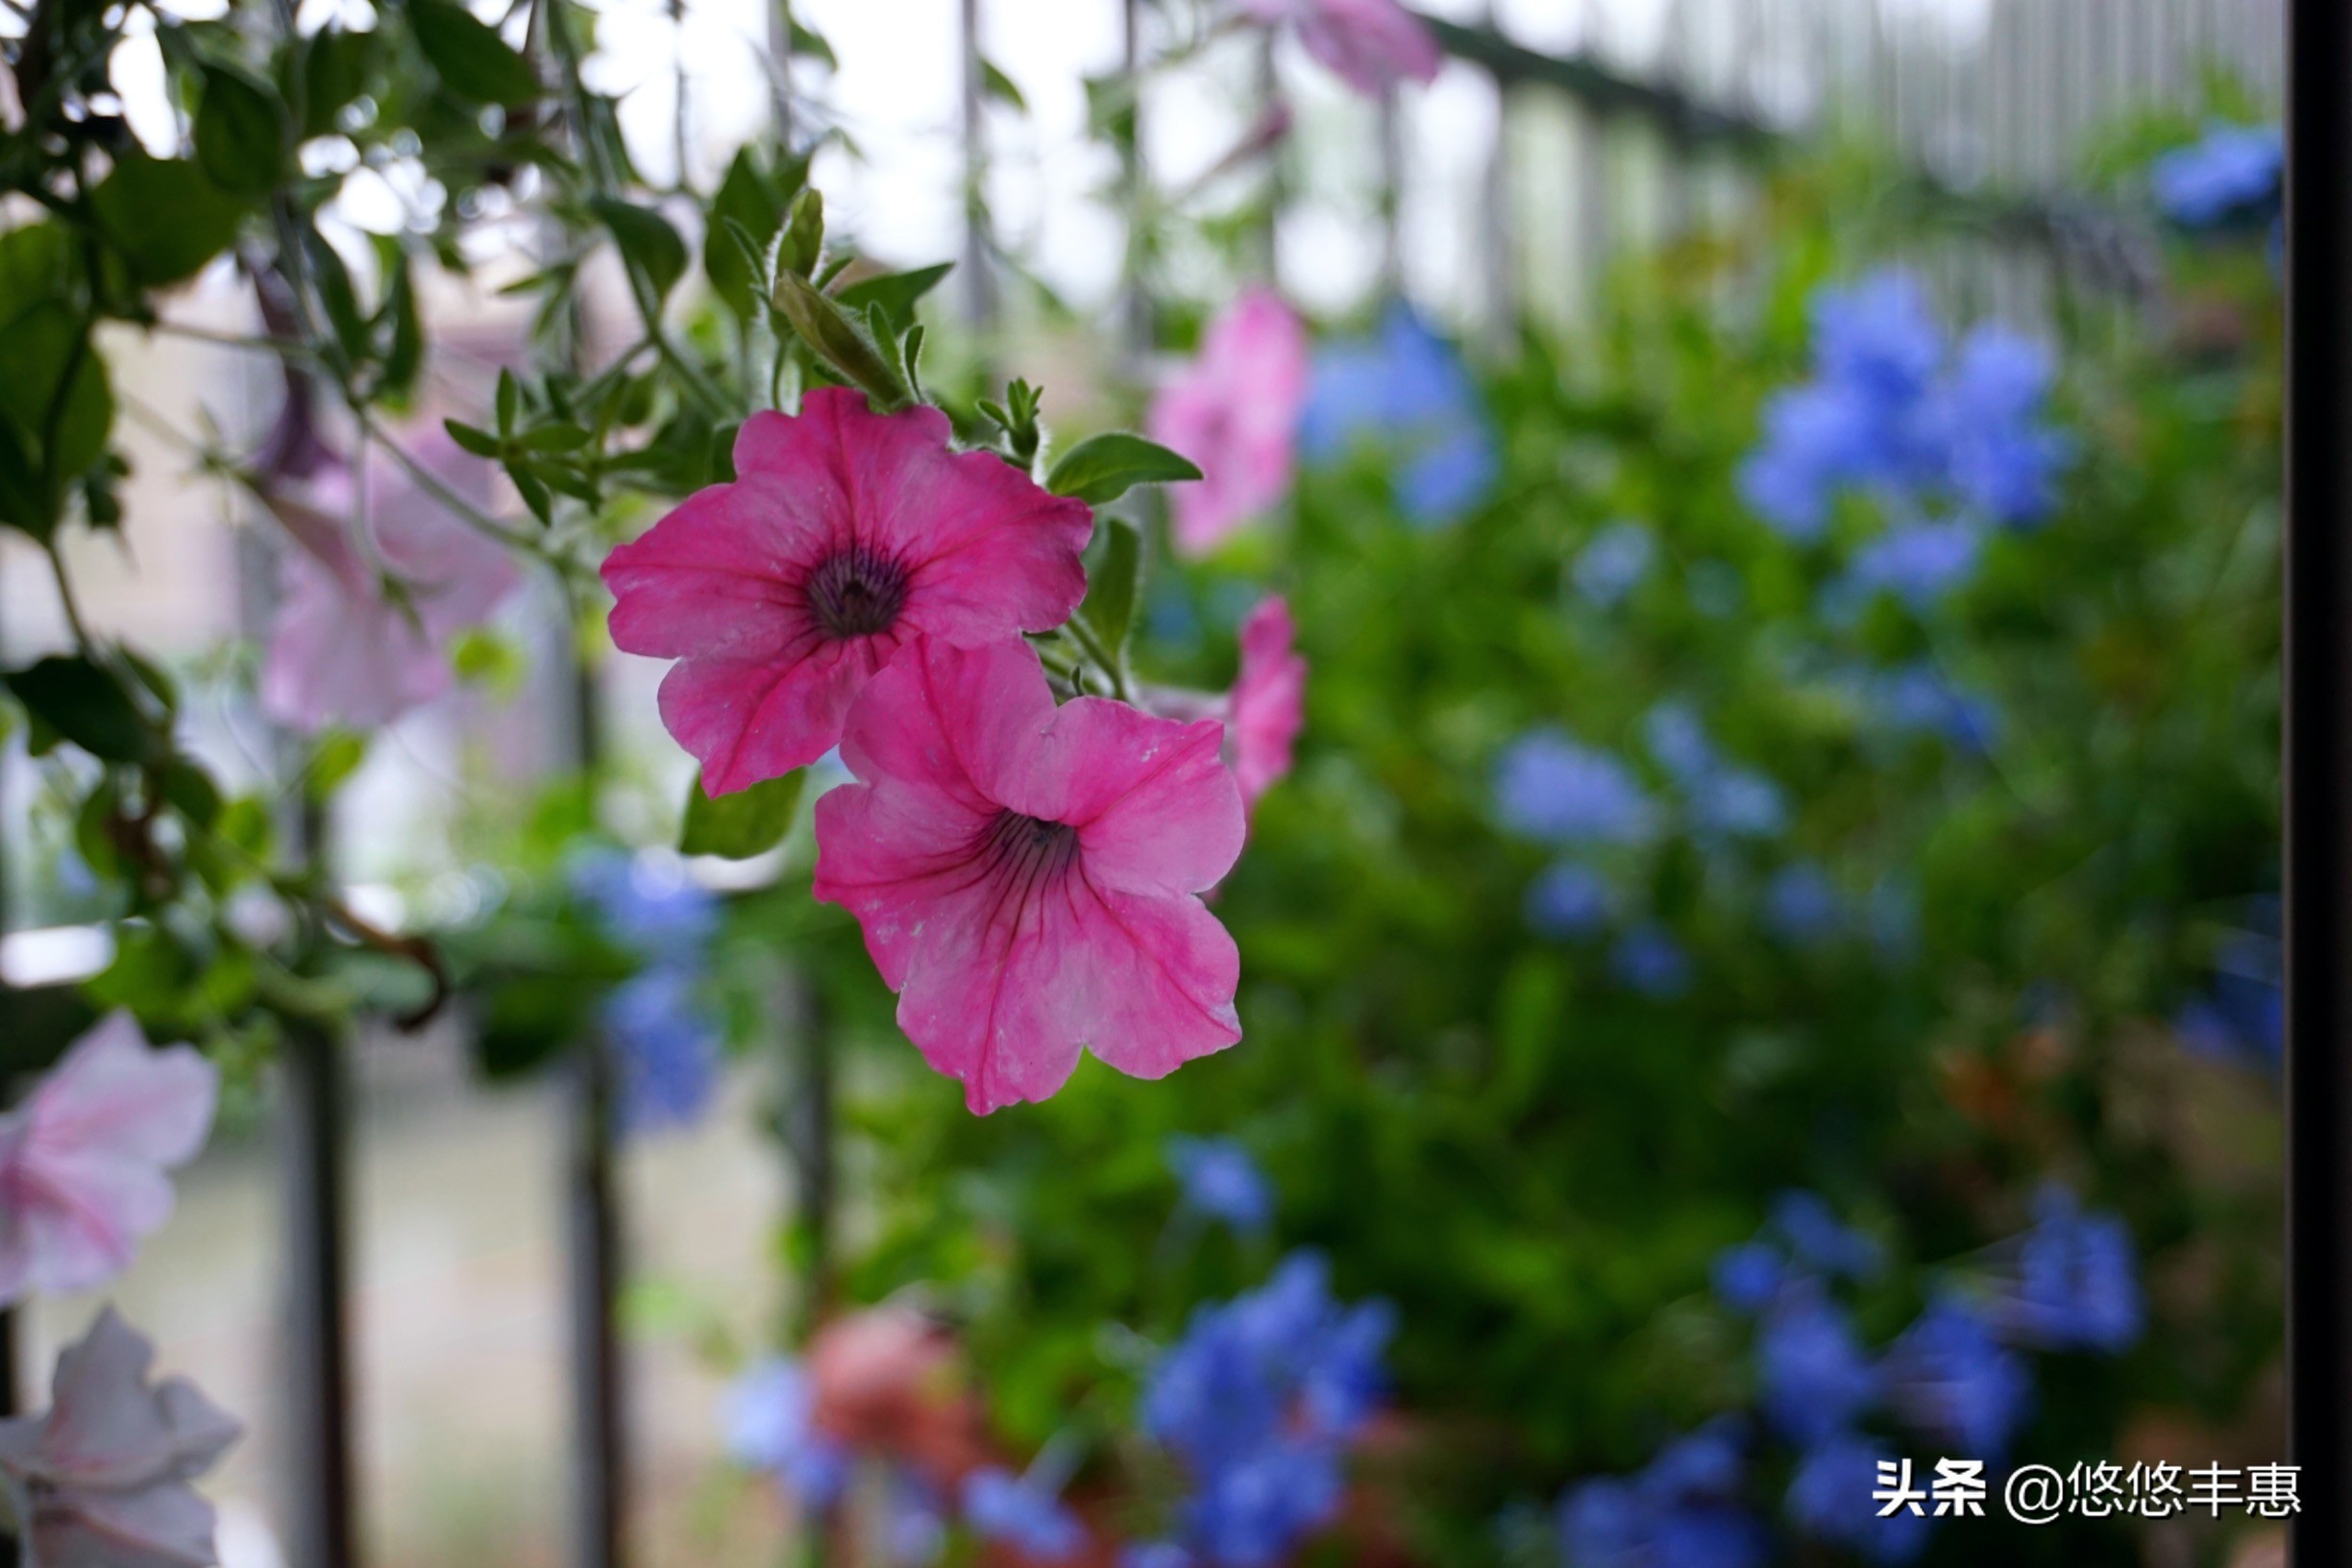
770 1426
1405 388
2242 1014
1681 1510
655 1022
1955 1377
1556 789
1260 1401
1891 411
1030 1518
2232 175
1219 1181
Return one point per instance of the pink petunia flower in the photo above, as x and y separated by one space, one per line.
1234 410
347 648
101 1479
1026 875
1265 710
83 1159
1373 46
846 534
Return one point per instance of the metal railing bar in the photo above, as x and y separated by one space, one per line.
315 1174
592 1254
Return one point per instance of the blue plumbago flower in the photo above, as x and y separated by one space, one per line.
1802 906
1829 1498
1000 1506
1916 700
912 1522
2233 173
1221 1182
666 1048
1955 1382
1553 789
647 903
1613 563
2244 1011
1723 798
770 1422
1259 1400
1681 1510
1677 738
1569 900
1917 563
1885 411
1155 1555
2077 1283
1406 388
1748 1276
1821 1240
1814 1378
1648 960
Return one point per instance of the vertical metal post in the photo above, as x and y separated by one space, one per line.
315 1170
12 1550
979 293
1135 326
1497 257
1391 194
592 1262
2317 773
808 1135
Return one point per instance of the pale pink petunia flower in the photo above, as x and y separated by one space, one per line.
1265 710
1027 876
363 624
846 534
83 1159
101 1479
1373 46
1234 410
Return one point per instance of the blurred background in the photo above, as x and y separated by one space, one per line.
1727 835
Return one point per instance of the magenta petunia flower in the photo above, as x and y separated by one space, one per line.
1268 702
100 1479
83 1159
1234 410
1373 46
846 534
1027 876
345 649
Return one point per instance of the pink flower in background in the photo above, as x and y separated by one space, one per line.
101 1480
346 649
1026 875
1269 700
83 1159
1373 46
1265 710
1234 410
846 534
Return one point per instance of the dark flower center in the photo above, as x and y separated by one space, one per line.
1027 849
857 592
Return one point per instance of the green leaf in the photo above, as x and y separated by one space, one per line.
335 66
192 791
61 429
648 246
1112 581
1001 87
748 822
754 201
87 704
811 44
474 439
37 266
165 216
1105 467
803 238
841 340
471 58
240 132
896 292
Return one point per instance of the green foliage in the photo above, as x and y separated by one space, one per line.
749 823
1102 468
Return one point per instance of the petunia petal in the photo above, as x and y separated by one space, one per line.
721 576
746 720
1156 810
112 1090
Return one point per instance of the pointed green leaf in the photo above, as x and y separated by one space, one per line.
748 822
648 246
896 292
468 54
1112 579
1105 467
165 216
89 706
240 132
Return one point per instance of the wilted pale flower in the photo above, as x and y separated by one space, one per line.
101 1479
83 1159
365 616
1002 1507
1234 411
1373 46
2234 171
846 534
1028 877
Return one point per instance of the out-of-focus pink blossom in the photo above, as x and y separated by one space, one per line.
1027 877
363 624
1234 410
1265 710
846 534
101 1479
83 1159
891 1381
1373 46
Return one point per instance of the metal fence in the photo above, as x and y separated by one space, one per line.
1603 139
